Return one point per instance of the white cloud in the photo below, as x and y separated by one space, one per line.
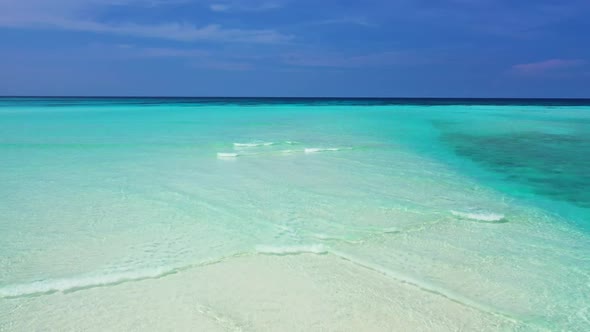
77 16
161 52
541 67
243 6
195 58
219 7
212 64
383 59
361 21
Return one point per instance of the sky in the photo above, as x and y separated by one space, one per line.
296 48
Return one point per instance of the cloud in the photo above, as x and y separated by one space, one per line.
382 59
73 15
361 21
222 65
550 65
161 52
219 7
503 18
243 6
198 59
193 58
174 31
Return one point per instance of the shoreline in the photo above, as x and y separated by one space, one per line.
255 293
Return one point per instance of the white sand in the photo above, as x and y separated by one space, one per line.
254 293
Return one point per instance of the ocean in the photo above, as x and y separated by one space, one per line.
294 214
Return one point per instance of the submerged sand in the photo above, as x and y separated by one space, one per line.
255 293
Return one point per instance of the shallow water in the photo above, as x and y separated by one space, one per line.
486 205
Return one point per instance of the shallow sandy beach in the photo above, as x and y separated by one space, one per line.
255 293
378 218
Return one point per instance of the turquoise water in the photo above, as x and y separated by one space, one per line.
466 199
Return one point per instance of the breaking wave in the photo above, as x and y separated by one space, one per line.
224 155
83 282
480 216
316 150
252 145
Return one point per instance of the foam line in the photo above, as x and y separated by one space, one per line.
426 286
317 249
252 145
480 216
224 155
76 283
316 150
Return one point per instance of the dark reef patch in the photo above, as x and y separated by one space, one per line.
553 165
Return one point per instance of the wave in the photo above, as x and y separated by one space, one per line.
335 238
480 216
77 283
252 145
315 150
317 249
223 155
82 282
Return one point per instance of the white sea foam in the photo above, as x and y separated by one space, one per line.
291 142
317 249
479 216
327 237
223 155
82 282
104 279
315 150
252 145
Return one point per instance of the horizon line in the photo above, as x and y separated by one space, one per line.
293 97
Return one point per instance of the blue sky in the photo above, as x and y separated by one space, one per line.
396 48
